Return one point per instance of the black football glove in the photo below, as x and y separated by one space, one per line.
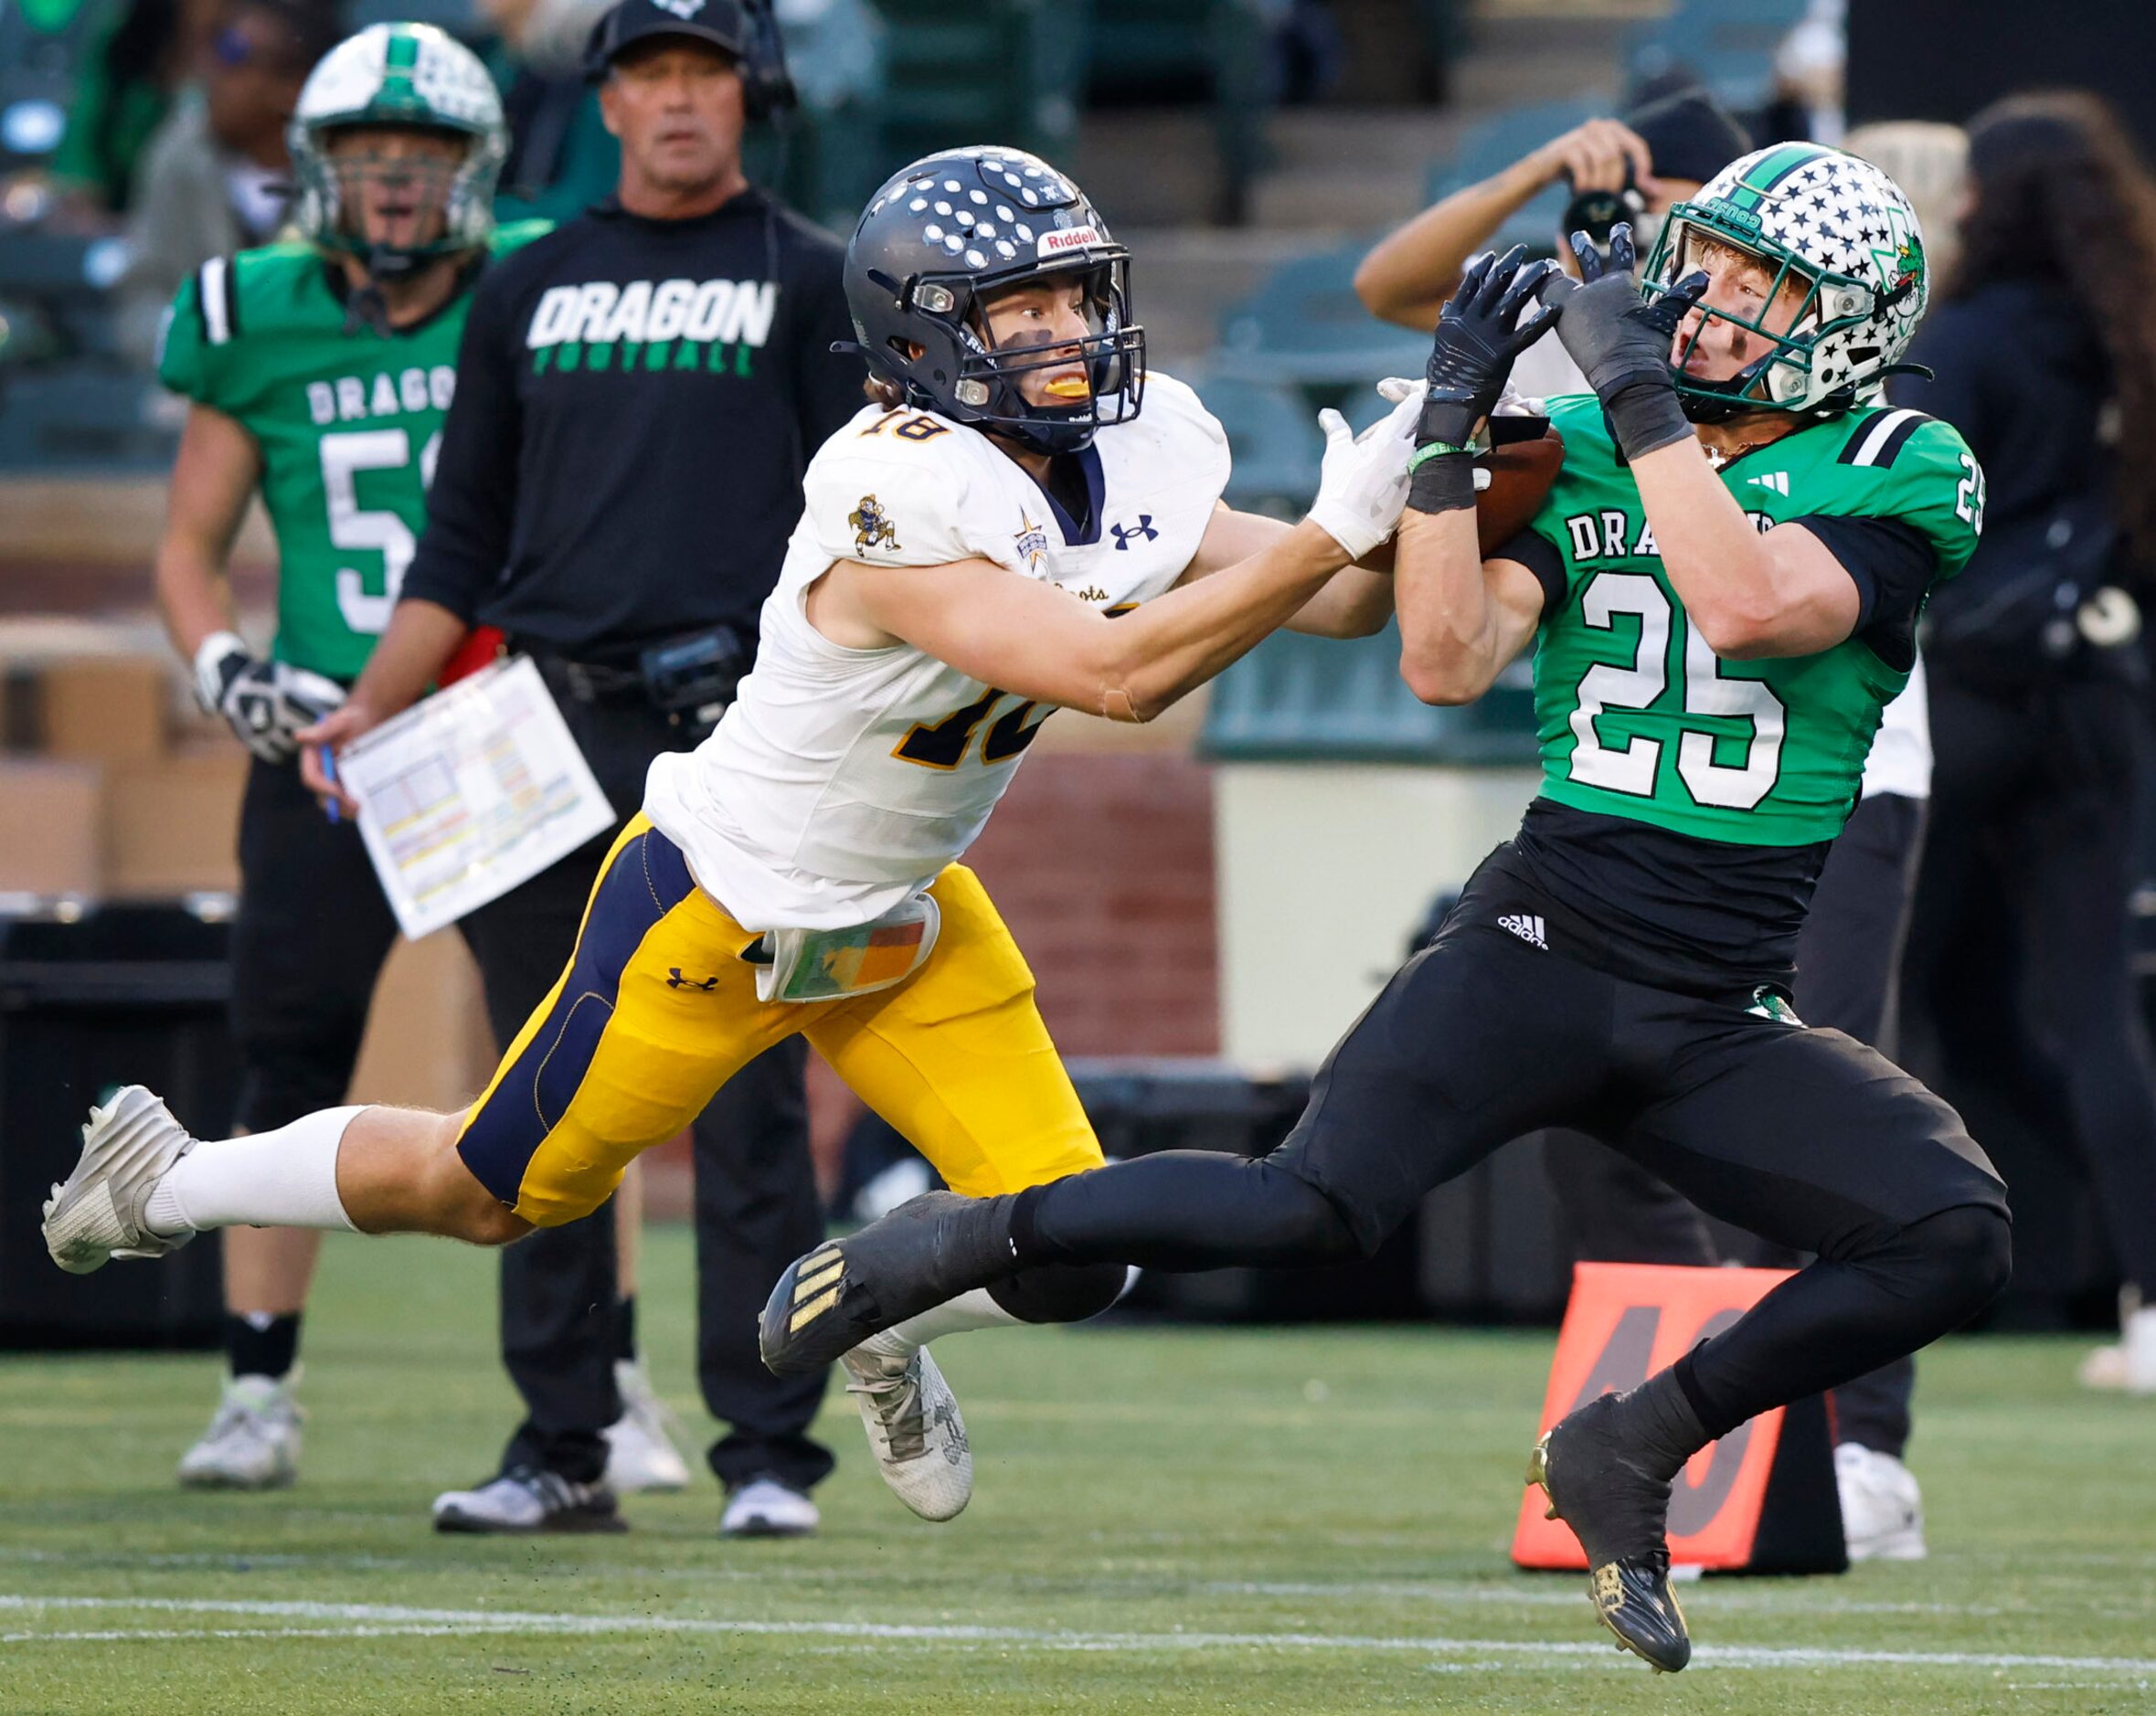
264 703
1477 340
1621 343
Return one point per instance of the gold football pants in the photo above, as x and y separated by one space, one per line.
658 1008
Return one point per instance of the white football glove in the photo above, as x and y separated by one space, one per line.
1362 485
264 703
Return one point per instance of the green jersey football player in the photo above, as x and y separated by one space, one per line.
317 373
1721 592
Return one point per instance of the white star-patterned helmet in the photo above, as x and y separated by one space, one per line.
1835 225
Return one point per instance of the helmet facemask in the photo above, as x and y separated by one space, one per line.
417 191
987 384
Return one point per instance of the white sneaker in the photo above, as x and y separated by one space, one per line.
128 1146
914 1429
640 1456
1882 1508
2130 1364
763 1506
253 1442
529 1499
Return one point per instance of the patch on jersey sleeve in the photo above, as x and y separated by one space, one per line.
873 527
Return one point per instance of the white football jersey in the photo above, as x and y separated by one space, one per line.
842 780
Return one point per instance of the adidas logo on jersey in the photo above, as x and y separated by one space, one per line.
1779 481
1526 926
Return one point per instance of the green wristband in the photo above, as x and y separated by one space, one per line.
1433 449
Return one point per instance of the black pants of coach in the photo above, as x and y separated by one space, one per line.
2033 850
756 1195
1848 961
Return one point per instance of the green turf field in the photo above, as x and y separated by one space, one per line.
1185 1520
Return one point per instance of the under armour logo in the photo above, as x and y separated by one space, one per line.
1144 527
678 981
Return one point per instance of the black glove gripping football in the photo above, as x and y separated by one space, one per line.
1622 343
1477 340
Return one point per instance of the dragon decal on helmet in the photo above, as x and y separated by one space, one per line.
948 233
1840 229
410 75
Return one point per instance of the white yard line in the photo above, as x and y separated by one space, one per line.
371 1619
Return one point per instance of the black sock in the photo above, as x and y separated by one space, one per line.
260 1344
1664 1420
625 1328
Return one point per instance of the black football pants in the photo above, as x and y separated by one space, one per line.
1803 1136
1848 962
756 1204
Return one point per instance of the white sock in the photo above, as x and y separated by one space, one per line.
284 1178
976 1310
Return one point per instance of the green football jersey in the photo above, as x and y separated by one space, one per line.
1636 717
348 422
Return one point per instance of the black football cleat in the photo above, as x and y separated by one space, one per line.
929 1249
1620 1512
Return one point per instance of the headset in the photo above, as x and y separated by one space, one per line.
767 88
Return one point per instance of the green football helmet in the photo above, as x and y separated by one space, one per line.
410 75
1840 229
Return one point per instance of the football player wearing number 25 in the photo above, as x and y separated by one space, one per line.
1721 590
317 373
1023 520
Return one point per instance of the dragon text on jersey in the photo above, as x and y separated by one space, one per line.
387 392
712 324
1612 533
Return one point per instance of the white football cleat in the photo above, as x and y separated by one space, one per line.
527 1500
253 1442
641 1458
1882 1508
914 1429
2131 1364
763 1506
128 1146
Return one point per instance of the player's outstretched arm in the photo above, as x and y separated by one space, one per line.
1035 641
1355 602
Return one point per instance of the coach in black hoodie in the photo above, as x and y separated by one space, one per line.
2045 361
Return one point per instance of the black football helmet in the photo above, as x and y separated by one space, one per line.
946 233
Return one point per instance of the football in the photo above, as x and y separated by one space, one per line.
1512 480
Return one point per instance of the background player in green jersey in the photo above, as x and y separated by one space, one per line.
318 373
1721 591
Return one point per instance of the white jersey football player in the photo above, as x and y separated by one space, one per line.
1025 521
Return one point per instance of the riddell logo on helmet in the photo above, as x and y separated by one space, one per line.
1066 239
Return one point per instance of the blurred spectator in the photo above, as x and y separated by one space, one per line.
213 180
126 89
561 157
1930 163
1810 73
2045 359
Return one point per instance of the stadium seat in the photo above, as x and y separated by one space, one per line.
1305 327
1271 438
1727 45
80 416
1156 50
969 72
